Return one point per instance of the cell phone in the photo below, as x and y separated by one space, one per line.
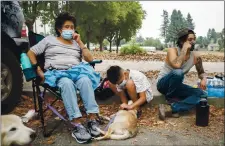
192 47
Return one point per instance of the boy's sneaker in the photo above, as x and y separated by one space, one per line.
81 134
139 113
162 114
92 126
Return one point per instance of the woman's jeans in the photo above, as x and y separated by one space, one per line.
172 87
68 92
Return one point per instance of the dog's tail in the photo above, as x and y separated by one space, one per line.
120 137
106 134
101 131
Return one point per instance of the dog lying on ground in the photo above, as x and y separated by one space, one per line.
124 125
14 132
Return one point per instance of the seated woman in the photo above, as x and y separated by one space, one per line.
178 62
63 55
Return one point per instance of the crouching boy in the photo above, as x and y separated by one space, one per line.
130 85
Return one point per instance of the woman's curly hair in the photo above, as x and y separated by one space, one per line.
61 19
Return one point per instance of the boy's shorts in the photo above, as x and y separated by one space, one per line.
149 95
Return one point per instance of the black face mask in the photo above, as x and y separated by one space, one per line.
192 47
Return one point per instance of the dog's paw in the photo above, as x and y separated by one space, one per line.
97 138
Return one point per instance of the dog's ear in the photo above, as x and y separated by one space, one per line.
2 137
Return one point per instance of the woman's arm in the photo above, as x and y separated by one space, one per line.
85 52
200 70
177 61
33 60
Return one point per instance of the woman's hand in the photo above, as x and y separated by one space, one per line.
76 37
41 75
203 84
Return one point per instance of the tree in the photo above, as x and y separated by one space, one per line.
153 43
205 42
109 16
165 24
105 42
213 35
221 40
31 10
209 35
128 26
199 41
140 39
190 23
177 22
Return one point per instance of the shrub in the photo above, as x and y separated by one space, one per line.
165 50
132 49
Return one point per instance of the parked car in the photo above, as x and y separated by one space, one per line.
149 49
12 45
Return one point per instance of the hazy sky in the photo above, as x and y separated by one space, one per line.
205 15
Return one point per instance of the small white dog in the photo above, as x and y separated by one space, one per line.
14 132
124 125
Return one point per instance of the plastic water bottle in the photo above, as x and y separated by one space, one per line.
25 61
215 87
202 112
28 70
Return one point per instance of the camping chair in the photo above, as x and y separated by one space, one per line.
100 91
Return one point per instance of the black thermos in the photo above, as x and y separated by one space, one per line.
202 112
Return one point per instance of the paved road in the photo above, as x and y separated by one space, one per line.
154 65
144 137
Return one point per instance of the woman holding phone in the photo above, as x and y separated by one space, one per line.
178 62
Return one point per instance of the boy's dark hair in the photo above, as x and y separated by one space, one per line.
183 35
61 19
113 74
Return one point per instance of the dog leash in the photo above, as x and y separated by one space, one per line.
57 113
110 122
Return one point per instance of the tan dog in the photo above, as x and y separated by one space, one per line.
124 125
14 132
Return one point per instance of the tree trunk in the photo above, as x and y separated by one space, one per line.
30 27
100 41
88 40
45 29
100 44
117 45
110 46
67 6
117 42
88 43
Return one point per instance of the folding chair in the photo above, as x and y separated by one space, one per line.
36 84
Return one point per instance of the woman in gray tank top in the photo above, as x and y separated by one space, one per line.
178 62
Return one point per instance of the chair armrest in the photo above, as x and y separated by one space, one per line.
95 62
92 63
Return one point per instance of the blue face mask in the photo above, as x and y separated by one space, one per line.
67 34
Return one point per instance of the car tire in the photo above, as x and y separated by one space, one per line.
11 81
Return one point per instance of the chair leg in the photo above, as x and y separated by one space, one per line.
34 96
40 100
41 113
